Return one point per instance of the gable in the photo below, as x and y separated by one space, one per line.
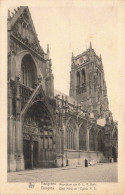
22 28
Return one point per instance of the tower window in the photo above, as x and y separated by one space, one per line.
83 76
97 72
78 79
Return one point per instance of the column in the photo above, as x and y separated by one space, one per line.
44 147
52 86
31 145
69 139
65 137
76 139
11 136
74 83
14 126
96 142
87 137
19 134
62 145
13 65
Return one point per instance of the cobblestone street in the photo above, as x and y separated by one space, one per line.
97 173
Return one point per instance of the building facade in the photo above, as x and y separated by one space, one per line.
87 83
47 128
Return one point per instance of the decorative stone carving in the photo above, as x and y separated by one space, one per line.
28 38
39 78
29 129
25 17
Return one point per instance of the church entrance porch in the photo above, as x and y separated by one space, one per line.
38 138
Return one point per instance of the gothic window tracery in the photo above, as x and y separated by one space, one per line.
69 137
27 72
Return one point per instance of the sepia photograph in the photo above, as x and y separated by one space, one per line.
63 77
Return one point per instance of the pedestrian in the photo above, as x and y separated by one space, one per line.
86 163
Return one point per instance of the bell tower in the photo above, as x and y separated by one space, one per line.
87 83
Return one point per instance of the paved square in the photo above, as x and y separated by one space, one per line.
97 173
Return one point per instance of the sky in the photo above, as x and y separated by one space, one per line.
70 27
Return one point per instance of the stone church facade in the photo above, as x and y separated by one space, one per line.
47 128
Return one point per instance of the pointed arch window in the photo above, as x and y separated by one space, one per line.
78 79
83 76
28 72
69 138
97 72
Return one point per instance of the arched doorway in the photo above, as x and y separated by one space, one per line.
38 137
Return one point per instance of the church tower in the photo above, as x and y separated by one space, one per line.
87 82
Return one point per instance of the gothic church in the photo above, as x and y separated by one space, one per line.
47 128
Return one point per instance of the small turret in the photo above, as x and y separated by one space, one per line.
72 58
90 45
15 11
100 57
48 52
9 16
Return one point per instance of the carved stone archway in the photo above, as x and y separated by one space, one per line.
38 137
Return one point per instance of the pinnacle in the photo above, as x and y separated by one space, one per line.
90 45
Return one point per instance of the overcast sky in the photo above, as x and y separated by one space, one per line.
70 27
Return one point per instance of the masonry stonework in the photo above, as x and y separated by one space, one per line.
47 128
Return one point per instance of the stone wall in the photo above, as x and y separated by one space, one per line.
77 157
